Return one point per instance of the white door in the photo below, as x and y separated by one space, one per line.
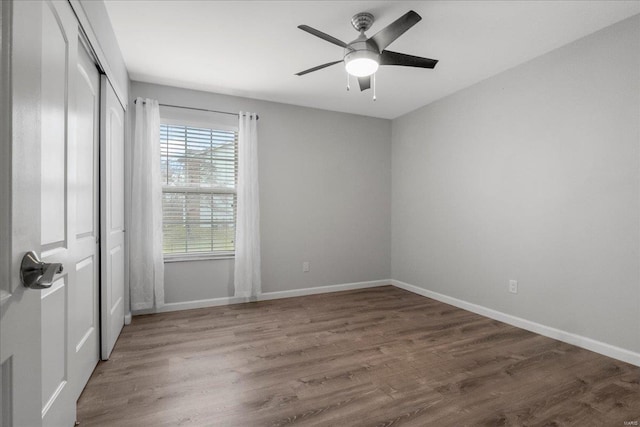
20 316
84 318
49 338
112 212
34 388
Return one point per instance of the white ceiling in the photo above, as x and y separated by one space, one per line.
253 48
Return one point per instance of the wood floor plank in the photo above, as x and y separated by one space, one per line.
379 357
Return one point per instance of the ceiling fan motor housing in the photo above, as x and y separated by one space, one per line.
361 44
361 51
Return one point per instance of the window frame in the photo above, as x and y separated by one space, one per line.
205 123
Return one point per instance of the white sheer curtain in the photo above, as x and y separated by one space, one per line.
247 279
146 266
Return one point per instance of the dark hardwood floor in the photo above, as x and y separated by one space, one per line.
379 357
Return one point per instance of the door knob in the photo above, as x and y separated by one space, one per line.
36 274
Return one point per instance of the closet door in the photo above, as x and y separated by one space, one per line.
84 321
112 208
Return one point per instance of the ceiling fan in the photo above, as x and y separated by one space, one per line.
363 55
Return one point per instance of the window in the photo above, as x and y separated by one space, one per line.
199 173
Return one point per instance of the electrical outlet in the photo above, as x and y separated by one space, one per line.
513 286
306 266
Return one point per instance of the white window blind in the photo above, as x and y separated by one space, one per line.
199 173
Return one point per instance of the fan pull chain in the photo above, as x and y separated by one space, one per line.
373 77
348 87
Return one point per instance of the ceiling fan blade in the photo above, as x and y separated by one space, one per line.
394 58
388 34
322 35
319 67
364 82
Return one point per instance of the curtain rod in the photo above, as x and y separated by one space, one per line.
135 101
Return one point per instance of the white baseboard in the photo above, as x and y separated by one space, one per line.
202 303
323 289
127 319
214 302
568 337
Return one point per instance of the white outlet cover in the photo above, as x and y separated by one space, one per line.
513 286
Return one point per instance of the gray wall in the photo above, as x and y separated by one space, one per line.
325 187
531 175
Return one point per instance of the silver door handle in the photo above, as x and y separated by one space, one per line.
36 274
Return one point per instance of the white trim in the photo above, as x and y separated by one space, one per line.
564 336
189 305
208 256
214 302
323 289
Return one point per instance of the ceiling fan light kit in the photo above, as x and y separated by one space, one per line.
361 63
363 56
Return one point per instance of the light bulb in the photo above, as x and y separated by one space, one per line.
361 67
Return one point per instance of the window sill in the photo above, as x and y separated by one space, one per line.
200 257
